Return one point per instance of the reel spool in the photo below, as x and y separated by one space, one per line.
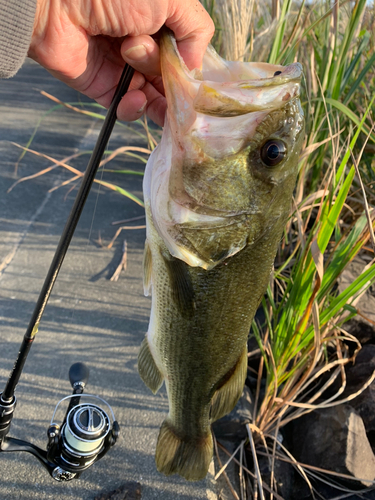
86 427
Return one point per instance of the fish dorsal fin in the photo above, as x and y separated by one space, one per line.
227 395
147 268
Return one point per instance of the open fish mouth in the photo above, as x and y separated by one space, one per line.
226 88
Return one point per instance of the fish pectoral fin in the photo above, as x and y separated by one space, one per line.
147 267
227 395
190 458
181 285
147 369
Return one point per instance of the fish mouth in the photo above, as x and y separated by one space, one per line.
225 88
281 75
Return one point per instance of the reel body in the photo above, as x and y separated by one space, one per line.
84 437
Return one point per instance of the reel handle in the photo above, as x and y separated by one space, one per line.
78 375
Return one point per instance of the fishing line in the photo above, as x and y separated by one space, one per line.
94 211
86 248
77 279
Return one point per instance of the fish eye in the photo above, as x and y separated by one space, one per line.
273 152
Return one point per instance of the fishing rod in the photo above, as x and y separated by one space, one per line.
86 432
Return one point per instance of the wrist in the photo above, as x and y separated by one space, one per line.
16 26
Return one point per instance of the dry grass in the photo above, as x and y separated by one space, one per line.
235 19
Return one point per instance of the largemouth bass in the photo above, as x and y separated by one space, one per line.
218 191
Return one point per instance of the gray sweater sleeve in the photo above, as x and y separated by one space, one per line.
16 27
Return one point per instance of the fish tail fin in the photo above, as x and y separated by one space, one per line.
147 369
188 458
229 392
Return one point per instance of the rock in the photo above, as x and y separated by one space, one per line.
222 489
130 490
362 327
232 426
335 439
361 370
283 476
301 491
357 375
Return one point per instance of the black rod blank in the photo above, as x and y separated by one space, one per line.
67 234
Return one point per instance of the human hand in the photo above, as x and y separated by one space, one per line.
84 43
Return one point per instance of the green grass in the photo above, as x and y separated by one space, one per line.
302 340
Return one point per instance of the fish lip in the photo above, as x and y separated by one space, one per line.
223 88
291 73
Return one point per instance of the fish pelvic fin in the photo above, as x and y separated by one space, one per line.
227 395
147 268
190 458
147 369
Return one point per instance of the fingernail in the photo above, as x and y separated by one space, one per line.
142 108
136 53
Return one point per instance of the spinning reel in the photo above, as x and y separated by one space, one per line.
86 432
84 436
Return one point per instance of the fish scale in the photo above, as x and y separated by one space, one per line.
214 221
